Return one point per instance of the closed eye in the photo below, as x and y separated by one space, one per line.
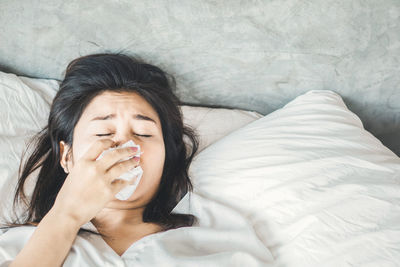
142 135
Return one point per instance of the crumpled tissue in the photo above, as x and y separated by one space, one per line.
136 172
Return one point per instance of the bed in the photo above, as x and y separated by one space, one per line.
296 104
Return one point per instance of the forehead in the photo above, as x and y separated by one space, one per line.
119 102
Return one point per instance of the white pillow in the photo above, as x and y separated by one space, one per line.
24 109
317 189
211 124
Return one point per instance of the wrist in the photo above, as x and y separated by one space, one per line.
63 220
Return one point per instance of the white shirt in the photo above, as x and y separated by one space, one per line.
178 247
223 238
87 250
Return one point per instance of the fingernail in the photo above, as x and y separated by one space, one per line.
133 148
136 158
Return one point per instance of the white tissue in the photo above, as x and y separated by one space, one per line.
136 172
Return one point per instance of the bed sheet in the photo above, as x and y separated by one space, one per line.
306 185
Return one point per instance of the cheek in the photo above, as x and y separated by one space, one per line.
79 149
153 158
152 163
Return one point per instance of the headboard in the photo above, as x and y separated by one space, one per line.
253 55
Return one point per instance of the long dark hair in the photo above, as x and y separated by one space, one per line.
85 78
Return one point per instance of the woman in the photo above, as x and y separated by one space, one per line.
104 101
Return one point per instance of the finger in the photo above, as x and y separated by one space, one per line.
111 158
118 184
120 168
97 148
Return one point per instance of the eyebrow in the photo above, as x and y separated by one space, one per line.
134 116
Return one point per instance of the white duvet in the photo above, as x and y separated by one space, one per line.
226 239
303 186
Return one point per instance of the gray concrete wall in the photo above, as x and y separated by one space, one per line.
254 55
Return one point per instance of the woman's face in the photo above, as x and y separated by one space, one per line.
122 117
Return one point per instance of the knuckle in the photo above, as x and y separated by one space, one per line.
114 153
92 171
129 163
105 186
97 169
115 172
121 167
108 192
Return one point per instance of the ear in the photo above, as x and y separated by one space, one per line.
65 160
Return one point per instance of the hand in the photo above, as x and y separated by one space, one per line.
91 184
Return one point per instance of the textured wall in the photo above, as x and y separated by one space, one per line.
255 55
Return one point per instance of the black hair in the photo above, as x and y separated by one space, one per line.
85 78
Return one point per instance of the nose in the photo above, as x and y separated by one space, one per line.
121 142
121 138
